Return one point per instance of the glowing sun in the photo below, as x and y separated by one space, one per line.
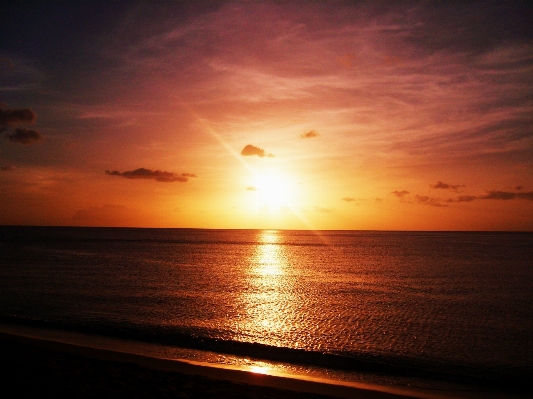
273 191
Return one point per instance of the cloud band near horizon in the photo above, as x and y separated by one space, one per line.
148 174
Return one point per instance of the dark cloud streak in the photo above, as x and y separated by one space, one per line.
14 117
491 195
400 194
148 174
495 195
446 186
505 195
25 136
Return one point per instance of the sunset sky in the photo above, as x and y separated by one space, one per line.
267 114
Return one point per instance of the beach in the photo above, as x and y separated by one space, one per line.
40 367
34 367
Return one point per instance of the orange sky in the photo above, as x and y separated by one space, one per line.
307 115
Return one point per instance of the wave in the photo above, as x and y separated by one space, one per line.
492 376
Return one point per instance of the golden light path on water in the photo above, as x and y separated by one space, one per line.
268 299
272 307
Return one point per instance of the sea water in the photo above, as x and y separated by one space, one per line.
453 307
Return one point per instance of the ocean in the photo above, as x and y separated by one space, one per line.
434 310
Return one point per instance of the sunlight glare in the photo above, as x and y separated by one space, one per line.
273 191
259 369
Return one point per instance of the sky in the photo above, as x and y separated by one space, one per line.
412 115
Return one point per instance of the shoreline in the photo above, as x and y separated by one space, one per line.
226 379
214 375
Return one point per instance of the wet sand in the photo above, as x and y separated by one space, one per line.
39 367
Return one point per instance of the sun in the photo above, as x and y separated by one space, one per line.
273 191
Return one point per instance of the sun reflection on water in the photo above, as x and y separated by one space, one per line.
269 256
268 301
260 369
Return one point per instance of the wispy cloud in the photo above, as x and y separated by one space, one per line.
251 150
398 71
157 175
405 91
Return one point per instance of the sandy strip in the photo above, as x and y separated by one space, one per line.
45 364
33 366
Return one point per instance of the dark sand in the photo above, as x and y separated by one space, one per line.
38 368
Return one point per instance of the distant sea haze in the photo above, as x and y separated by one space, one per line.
437 306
